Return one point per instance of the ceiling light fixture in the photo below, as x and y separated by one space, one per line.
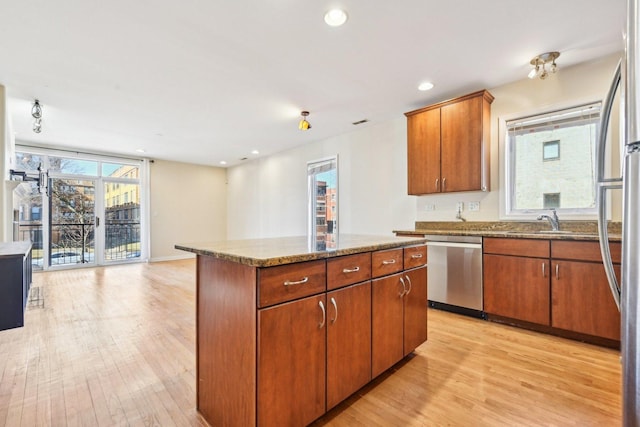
36 113
425 86
539 65
304 124
335 17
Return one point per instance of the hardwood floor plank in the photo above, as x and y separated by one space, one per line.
115 346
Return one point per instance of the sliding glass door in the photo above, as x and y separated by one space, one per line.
87 212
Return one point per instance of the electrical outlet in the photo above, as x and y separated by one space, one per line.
459 206
430 207
473 206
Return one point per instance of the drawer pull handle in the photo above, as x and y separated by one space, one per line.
324 314
388 261
335 308
416 256
299 282
351 270
404 288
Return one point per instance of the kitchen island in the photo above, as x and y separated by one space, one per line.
285 331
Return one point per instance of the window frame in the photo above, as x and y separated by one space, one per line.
507 192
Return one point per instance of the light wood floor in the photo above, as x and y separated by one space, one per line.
115 346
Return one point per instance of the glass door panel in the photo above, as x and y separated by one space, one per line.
72 224
122 221
28 216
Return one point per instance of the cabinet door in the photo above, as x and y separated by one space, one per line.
348 341
517 287
423 152
415 309
386 323
582 301
462 145
291 362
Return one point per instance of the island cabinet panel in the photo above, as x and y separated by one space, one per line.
415 256
290 281
386 262
291 362
387 322
415 309
226 342
348 269
517 287
348 341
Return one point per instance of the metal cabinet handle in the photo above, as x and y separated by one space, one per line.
410 284
324 314
557 271
351 270
444 183
404 288
335 308
437 182
299 282
416 256
544 273
388 261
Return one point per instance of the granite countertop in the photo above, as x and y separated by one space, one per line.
286 250
12 249
570 230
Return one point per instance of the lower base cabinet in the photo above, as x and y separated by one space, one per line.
399 317
291 362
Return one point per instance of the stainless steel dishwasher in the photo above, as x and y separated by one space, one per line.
454 278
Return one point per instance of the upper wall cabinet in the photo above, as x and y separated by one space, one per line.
448 145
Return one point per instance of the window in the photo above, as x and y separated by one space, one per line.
551 200
536 174
322 178
551 150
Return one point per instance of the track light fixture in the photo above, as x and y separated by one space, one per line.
36 113
304 124
539 65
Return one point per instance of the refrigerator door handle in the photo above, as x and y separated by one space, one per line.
605 184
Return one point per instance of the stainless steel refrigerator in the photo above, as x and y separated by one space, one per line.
627 295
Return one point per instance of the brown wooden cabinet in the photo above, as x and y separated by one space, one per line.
348 341
399 313
517 287
291 362
580 297
281 345
448 145
559 284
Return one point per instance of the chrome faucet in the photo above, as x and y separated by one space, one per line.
553 220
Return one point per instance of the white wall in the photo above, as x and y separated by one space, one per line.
187 204
267 197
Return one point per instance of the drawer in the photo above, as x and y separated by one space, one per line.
291 281
348 269
583 251
415 256
386 262
533 248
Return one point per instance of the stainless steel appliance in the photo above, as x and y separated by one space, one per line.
454 275
626 296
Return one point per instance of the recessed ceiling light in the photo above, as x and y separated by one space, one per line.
140 150
335 17
255 152
425 86
222 162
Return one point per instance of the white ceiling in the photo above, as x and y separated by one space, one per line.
211 80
